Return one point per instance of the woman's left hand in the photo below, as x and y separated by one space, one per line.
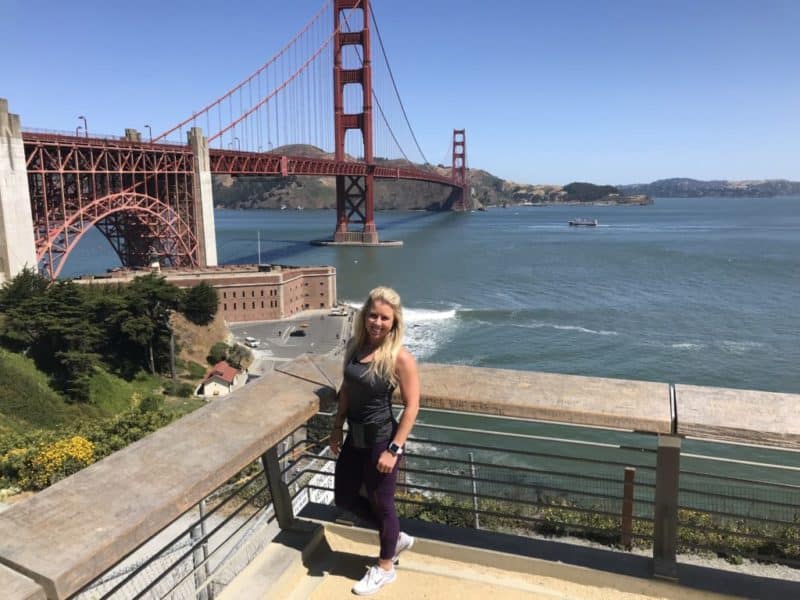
386 462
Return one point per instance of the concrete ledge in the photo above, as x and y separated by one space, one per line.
590 401
745 416
19 587
76 529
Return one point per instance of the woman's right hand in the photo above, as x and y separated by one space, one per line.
335 440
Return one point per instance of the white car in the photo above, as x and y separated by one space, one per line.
251 341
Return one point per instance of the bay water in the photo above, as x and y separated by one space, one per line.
699 291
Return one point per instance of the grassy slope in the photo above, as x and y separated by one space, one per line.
27 401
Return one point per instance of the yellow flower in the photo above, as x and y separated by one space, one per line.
59 459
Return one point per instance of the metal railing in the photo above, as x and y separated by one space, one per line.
596 484
536 457
544 480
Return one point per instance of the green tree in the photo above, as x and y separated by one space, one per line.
150 300
200 303
238 355
218 352
26 285
57 330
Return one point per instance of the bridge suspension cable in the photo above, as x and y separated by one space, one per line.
275 76
287 100
394 85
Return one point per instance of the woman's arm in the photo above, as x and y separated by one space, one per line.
408 380
335 438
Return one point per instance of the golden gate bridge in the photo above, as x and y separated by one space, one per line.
152 198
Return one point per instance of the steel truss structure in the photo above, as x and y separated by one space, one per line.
233 162
140 196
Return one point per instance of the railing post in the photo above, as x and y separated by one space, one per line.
195 535
477 522
665 532
281 501
626 538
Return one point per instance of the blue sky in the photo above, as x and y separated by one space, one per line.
549 91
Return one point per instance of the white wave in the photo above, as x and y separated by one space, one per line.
687 346
415 315
539 325
427 330
734 347
421 315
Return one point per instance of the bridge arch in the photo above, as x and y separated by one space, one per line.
137 226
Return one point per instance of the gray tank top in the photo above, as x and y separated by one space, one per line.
369 398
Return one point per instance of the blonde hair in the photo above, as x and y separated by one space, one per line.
383 363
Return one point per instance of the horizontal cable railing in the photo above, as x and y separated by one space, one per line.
559 486
214 541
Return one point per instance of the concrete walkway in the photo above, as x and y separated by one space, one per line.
436 570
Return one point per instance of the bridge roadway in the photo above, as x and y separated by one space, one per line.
226 162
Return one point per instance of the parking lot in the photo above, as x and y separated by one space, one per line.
311 332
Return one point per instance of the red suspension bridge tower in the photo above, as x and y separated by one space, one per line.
354 193
459 170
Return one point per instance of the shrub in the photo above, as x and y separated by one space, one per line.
55 461
179 389
151 402
195 371
218 352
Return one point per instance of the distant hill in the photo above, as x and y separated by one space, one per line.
485 190
682 187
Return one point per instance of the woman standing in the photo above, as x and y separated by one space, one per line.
375 363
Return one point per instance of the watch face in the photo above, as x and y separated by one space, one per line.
395 449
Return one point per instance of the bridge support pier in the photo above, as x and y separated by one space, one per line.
17 244
203 199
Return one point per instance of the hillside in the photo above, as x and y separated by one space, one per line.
28 401
682 187
320 192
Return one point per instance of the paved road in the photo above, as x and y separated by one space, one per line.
323 332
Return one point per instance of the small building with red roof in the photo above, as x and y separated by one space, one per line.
221 380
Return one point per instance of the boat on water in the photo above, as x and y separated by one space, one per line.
583 223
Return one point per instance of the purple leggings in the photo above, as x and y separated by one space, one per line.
357 466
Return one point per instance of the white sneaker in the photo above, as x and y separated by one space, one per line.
374 580
404 542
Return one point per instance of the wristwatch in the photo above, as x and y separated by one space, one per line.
395 449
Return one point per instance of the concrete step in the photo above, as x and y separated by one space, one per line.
283 569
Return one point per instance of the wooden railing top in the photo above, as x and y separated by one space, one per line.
741 416
71 532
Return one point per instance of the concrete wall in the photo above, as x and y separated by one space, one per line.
276 295
17 244
203 198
